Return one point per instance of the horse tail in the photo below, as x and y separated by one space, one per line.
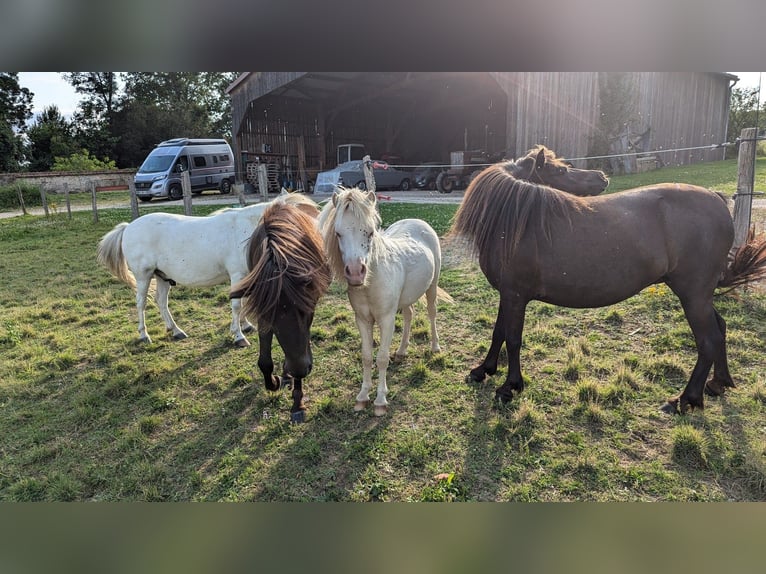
747 265
441 295
110 255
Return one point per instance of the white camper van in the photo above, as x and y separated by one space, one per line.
210 164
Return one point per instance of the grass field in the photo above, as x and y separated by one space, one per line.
87 413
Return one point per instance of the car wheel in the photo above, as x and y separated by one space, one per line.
175 192
362 185
311 186
444 183
431 185
225 186
405 186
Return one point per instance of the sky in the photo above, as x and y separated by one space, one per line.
51 88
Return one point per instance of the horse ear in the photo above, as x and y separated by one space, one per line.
372 197
540 161
335 198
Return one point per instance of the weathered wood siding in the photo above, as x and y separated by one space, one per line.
561 110
557 109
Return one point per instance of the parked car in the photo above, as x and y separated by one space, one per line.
351 174
424 176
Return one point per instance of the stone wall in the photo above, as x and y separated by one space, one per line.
53 181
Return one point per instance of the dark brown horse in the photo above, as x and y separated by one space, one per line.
288 274
541 165
536 243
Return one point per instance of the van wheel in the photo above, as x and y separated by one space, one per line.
405 186
225 186
175 192
362 185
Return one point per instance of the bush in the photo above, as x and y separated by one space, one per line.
82 161
9 196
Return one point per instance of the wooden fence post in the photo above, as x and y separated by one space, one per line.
369 177
743 202
44 199
186 186
133 199
21 199
93 203
263 181
68 204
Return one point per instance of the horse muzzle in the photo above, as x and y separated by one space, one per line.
355 273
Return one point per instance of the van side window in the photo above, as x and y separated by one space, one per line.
199 161
225 158
215 159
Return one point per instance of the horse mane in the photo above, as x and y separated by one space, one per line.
523 167
355 200
286 259
499 209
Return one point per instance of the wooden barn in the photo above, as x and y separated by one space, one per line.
294 121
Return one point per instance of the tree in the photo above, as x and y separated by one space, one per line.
95 114
15 110
616 111
744 113
49 136
164 105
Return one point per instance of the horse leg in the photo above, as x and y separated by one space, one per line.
401 352
513 326
721 376
365 331
489 365
702 319
266 363
386 336
163 292
236 329
298 410
142 290
431 305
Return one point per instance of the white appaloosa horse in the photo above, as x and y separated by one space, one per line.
187 250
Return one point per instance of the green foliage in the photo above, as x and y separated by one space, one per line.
9 196
617 101
15 110
82 161
49 136
743 113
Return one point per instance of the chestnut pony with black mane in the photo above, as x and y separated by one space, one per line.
288 274
537 243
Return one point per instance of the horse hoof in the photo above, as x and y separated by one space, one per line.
145 340
475 376
503 399
399 358
298 417
273 384
380 410
179 336
360 405
242 343
671 407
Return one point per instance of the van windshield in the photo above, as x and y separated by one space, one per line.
156 163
